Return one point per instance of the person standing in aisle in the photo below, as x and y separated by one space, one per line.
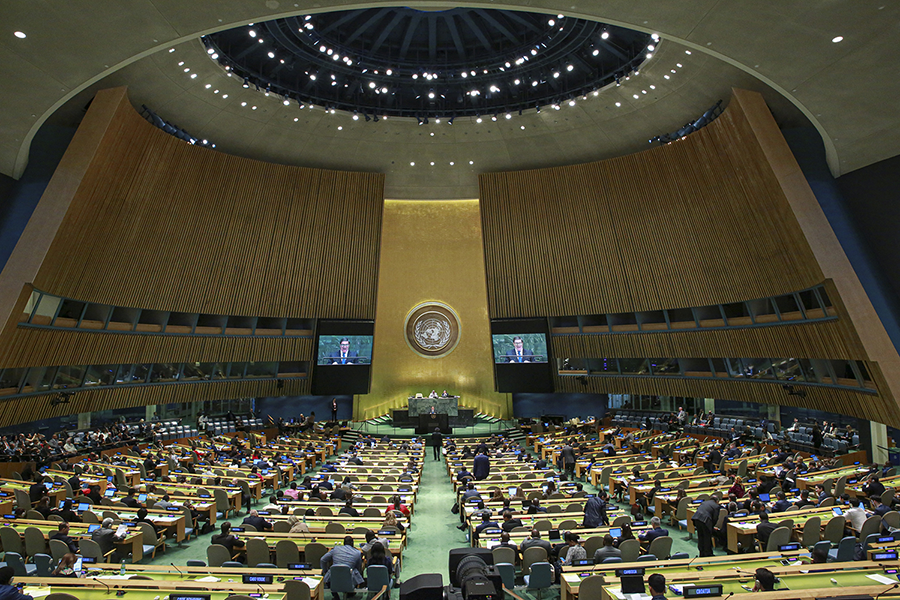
704 520
437 441
334 410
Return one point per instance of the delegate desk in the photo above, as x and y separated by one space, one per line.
806 582
133 541
163 581
687 569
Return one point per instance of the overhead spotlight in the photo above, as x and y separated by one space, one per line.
604 35
419 120
374 117
450 122
246 83
366 115
494 118
355 116
595 52
286 101
509 115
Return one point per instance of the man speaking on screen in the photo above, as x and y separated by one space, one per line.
344 355
519 354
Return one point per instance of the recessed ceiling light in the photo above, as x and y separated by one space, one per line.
687 52
243 104
837 39
432 163
412 164
171 49
340 127
636 96
452 163
224 96
471 162
296 119
618 104
20 34
521 127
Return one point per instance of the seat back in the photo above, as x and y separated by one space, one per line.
630 550
296 590
507 574
335 528
541 576
193 562
341 579
503 555
314 552
14 560
222 504
257 551
281 526
217 555
286 552
90 517
871 525
377 577
661 547
839 485
34 541
779 537
23 500
834 530
44 564
591 587
530 556
891 520
592 544
58 549
10 540
845 549
812 529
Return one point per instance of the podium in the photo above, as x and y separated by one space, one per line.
427 423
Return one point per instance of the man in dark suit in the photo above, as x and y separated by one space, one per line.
437 440
595 512
764 529
257 522
567 457
704 520
63 536
782 504
486 522
535 540
509 523
227 539
334 409
343 355
657 530
519 354
482 466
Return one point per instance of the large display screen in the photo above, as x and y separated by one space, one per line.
519 348
336 350
521 355
343 357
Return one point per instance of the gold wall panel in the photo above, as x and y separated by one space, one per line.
431 252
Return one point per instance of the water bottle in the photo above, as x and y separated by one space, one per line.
122 569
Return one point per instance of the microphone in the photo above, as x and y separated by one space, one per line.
894 586
729 596
102 582
180 572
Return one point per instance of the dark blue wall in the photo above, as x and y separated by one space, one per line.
866 227
18 198
290 407
570 405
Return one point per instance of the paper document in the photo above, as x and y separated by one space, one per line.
881 579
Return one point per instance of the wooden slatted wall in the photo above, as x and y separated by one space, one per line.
161 224
697 222
157 223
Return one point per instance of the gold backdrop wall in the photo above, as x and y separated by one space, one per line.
431 251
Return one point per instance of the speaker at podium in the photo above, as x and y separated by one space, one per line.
427 423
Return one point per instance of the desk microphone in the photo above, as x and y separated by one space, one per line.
688 566
180 572
102 582
894 586
729 596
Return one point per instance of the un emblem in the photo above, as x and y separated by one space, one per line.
432 329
